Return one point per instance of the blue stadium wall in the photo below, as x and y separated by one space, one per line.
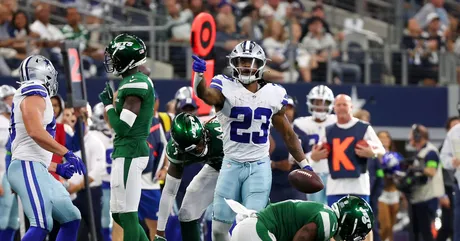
390 106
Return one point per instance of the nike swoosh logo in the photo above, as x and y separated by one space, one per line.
260 163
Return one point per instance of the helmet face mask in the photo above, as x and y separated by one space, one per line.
247 61
320 102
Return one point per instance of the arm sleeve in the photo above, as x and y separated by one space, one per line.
167 200
120 127
374 141
447 153
432 159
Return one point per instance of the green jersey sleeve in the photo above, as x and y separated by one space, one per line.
327 224
138 85
172 152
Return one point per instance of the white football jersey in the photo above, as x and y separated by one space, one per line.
107 140
246 118
316 132
4 126
23 147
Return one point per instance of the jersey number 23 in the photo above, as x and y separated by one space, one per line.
245 123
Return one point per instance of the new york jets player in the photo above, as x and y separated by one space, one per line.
246 108
130 115
320 102
32 136
102 130
349 219
191 142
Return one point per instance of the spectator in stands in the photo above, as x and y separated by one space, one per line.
20 26
421 20
320 44
178 29
44 28
279 9
195 6
423 52
316 12
75 30
275 45
188 105
226 39
249 23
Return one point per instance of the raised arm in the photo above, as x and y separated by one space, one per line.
210 95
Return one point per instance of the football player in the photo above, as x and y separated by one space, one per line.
311 129
349 219
246 107
32 133
130 115
191 142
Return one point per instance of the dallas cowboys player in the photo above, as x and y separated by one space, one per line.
245 107
32 135
320 102
104 133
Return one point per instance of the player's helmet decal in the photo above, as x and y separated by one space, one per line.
124 52
355 218
187 132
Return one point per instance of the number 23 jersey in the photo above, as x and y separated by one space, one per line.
246 117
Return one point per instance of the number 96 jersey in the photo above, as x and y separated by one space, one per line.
246 117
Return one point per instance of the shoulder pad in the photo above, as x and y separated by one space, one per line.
34 89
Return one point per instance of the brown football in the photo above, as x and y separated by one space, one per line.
305 181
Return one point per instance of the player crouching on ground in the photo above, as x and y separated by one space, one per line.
191 142
349 219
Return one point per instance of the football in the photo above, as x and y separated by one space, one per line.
305 181
362 143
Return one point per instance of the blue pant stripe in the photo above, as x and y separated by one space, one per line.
40 197
29 192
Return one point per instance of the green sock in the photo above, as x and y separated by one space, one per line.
132 230
191 230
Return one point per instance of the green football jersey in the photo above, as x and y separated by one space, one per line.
134 144
284 219
215 151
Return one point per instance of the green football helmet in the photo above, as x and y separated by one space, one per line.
355 218
189 135
124 52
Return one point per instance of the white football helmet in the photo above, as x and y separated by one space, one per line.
320 101
38 68
6 90
97 117
184 93
247 61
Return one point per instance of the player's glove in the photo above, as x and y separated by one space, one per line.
65 170
76 162
199 65
159 238
106 96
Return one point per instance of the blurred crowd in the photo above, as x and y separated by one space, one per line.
300 42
